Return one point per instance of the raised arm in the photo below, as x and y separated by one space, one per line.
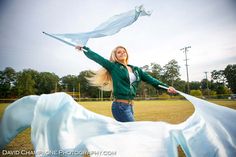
154 82
96 57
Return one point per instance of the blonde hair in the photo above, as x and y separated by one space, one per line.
102 78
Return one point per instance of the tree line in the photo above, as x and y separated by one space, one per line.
29 82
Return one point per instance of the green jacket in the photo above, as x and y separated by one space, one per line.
122 89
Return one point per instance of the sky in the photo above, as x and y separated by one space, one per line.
208 26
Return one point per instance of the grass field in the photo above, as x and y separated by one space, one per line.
171 111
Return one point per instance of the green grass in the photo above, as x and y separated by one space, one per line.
171 111
163 110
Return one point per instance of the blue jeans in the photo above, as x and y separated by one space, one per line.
122 112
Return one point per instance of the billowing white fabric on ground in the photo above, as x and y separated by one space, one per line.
60 126
111 26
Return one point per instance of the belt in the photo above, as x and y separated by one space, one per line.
128 102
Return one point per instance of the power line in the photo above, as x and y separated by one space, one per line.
185 50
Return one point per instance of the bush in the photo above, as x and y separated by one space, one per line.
196 93
164 96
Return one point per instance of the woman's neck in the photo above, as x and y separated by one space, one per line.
124 63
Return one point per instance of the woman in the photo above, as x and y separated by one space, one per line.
120 78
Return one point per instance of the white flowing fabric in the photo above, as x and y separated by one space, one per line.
62 127
109 27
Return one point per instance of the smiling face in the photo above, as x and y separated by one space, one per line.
121 55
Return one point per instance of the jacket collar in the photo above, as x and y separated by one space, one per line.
124 65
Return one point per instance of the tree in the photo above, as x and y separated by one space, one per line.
7 80
171 72
181 85
70 83
47 83
79 83
156 70
145 68
195 85
206 86
25 84
147 90
230 74
218 76
90 91
205 83
168 74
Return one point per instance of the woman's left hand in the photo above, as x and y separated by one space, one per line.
79 48
171 90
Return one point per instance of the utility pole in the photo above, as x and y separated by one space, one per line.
207 84
185 50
